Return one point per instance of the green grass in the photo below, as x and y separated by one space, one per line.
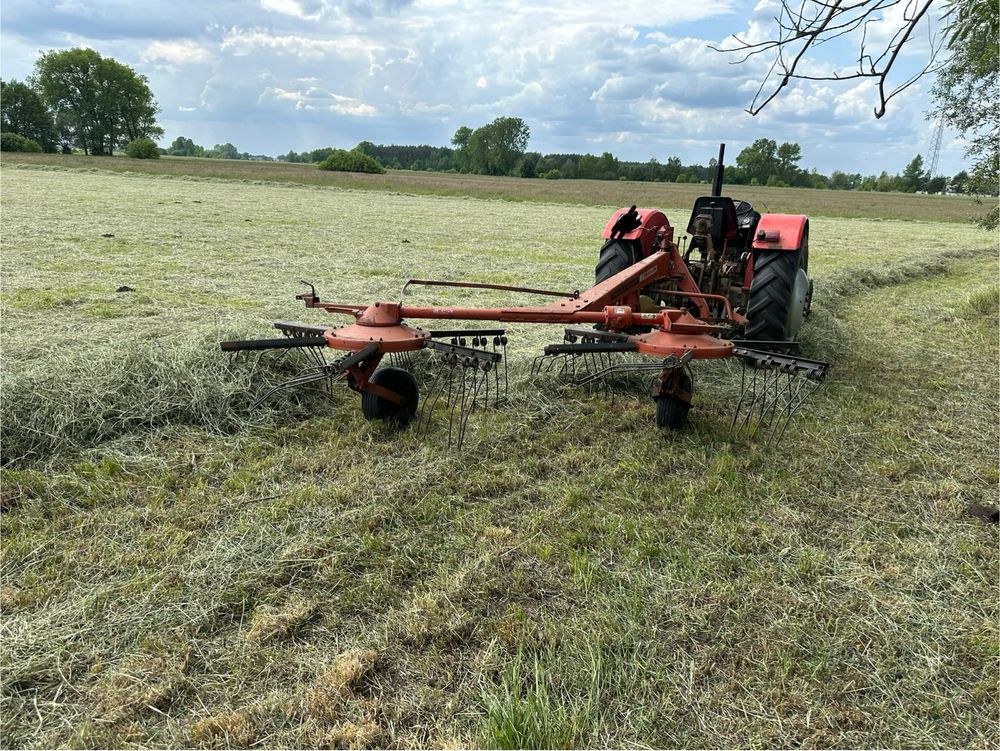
175 576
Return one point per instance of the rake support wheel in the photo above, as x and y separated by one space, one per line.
671 411
374 407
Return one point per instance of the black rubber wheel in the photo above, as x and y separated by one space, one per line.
771 311
374 407
672 412
615 257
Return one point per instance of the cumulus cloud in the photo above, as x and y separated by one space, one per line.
179 52
638 79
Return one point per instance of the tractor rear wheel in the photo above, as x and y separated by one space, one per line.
779 294
374 407
615 257
672 412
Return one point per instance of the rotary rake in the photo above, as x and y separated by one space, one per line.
738 290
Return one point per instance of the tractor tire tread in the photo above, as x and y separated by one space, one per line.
773 276
615 257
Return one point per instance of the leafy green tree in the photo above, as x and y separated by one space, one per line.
936 184
959 182
318 155
968 89
673 169
98 103
350 161
529 165
759 160
182 146
913 178
461 143
23 112
461 138
223 151
496 148
844 181
17 142
788 157
142 148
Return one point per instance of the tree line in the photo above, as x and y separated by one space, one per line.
764 162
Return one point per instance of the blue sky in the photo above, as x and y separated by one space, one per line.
636 78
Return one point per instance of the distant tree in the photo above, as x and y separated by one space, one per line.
461 143
142 148
350 161
23 112
318 155
843 181
99 104
461 137
17 142
496 148
759 160
913 178
529 164
673 169
182 146
959 182
885 183
223 151
936 184
788 157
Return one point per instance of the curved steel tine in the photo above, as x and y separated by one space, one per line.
433 396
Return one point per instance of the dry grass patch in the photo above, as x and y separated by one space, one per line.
339 681
280 621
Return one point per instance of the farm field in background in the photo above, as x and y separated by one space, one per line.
179 570
836 203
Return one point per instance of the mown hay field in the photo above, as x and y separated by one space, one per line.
182 570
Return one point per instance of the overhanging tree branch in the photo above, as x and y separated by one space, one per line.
808 24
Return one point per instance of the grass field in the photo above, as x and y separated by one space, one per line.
833 203
179 570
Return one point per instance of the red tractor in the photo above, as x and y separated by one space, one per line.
757 262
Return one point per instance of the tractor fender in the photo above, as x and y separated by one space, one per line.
780 232
650 222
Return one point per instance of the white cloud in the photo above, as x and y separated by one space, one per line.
309 11
179 52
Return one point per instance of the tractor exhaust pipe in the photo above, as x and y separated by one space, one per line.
719 170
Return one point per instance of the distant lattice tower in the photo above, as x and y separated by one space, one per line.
935 152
